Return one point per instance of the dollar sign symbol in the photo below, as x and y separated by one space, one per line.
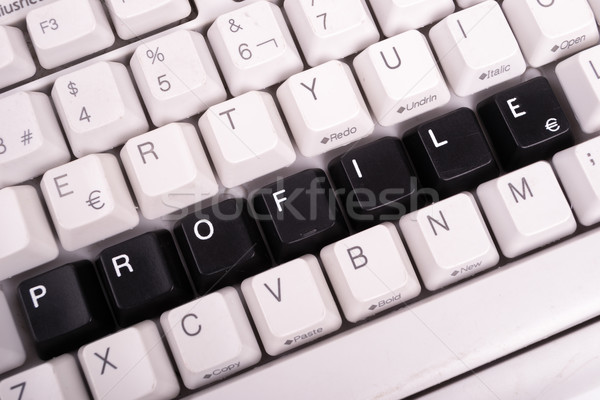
73 88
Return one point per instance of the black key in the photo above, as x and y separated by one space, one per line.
525 123
450 153
221 245
375 182
65 308
143 277
299 214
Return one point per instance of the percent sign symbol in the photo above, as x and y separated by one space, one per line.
155 55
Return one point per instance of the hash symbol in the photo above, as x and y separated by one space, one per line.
26 138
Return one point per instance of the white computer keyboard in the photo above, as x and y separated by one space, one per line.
328 199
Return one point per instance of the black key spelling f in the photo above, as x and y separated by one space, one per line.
105 361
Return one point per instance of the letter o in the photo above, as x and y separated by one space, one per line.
211 229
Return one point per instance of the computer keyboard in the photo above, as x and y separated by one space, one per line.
329 199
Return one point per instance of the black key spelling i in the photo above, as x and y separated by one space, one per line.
299 214
143 276
525 123
221 245
450 153
65 308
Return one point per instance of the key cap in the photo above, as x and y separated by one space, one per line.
30 141
299 215
254 47
12 353
98 107
291 305
449 241
57 379
401 78
88 200
221 245
397 16
65 308
168 169
331 29
16 62
451 153
143 276
211 9
246 138
548 30
134 18
177 76
595 5
525 123
132 364
477 49
324 108
468 3
370 272
217 327
67 30
26 240
526 209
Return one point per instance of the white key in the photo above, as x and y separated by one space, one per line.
548 30
401 78
130 364
526 209
57 379
595 4
12 15
133 18
476 48
397 16
246 138
88 200
66 30
331 29
177 76
215 326
291 304
26 239
449 241
468 3
324 108
98 107
254 47
579 76
370 272
16 62
30 139
208 10
12 353
168 170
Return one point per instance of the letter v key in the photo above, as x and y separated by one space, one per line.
278 295
434 140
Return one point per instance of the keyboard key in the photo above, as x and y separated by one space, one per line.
168 169
370 272
291 305
401 78
98 107
451 153
397 16
299 214
324 108
221 245
88 200
595 4
30 141
254 47
331 29
477 49
16 62
130 364
215 326
449 241
143 276
12 352
525 123
134 18
468 3
177 76
67 30
548 30
65 308
526 209
246 138
26 239
57 379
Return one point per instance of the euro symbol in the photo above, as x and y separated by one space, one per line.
94 200
552 125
